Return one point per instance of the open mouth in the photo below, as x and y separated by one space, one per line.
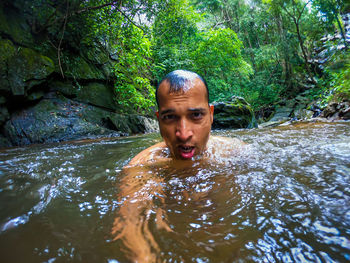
186 152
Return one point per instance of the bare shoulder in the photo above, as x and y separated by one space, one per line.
151 154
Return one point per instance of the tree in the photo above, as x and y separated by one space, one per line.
330 10
218 58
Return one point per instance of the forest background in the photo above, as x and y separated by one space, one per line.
262 50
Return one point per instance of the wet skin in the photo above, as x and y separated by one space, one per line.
185 119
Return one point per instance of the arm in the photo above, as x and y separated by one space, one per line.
140 187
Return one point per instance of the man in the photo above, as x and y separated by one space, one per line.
185 118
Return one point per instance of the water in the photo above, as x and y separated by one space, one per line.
285 199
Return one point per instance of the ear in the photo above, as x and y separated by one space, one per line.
157 114
211 113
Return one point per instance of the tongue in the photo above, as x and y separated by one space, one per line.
187 154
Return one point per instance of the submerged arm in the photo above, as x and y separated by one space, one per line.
140 188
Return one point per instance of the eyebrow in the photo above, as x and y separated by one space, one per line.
173 110
196 109
167 111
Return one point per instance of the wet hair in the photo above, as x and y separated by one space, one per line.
179 80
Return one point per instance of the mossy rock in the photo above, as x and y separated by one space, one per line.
52 120
27 68
132 124
4 115
67 88
94 93
97 94
78 68
97 55
4 142
7 51
233 114
141 124
14 25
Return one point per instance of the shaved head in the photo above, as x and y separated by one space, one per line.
181 81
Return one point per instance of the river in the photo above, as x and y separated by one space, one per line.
286 200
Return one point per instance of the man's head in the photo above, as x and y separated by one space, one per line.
179 79
184 115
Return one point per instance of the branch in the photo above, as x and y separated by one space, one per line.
221 23
109 4
59 45
132 22
302 11
95 7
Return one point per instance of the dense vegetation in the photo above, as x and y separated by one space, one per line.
263 50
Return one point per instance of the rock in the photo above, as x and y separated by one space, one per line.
270 124
234 114
97 94
142 124
133 123
56 118
49 121
4 115
337 111
344 111
282 114
15 25
7 51
302 114
4 142
97 55
329 111
21 68
78 68
28 68
94 93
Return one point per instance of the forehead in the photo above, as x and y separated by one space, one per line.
193 91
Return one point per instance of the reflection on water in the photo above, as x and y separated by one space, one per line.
285 200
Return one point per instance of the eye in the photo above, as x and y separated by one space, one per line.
197 115
169 117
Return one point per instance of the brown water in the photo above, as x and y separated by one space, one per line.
287 199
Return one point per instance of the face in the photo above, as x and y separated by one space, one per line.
185 119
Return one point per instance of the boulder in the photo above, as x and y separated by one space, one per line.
4 115
26 69
78 68
302 114
56 118
141 124
4 142
14 25
233 114
337 110
94 93
7 51
133 123
21 68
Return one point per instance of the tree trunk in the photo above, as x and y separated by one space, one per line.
342 32
301 43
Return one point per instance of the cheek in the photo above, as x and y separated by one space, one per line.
165 132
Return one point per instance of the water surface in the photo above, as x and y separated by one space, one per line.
287 199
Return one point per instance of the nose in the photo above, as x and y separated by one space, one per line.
183 130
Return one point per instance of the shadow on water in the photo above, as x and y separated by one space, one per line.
286 199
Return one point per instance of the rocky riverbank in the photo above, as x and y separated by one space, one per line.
45 100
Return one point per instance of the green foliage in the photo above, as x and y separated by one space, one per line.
213 53
259 50
337 81
174 36
218 58
133 88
